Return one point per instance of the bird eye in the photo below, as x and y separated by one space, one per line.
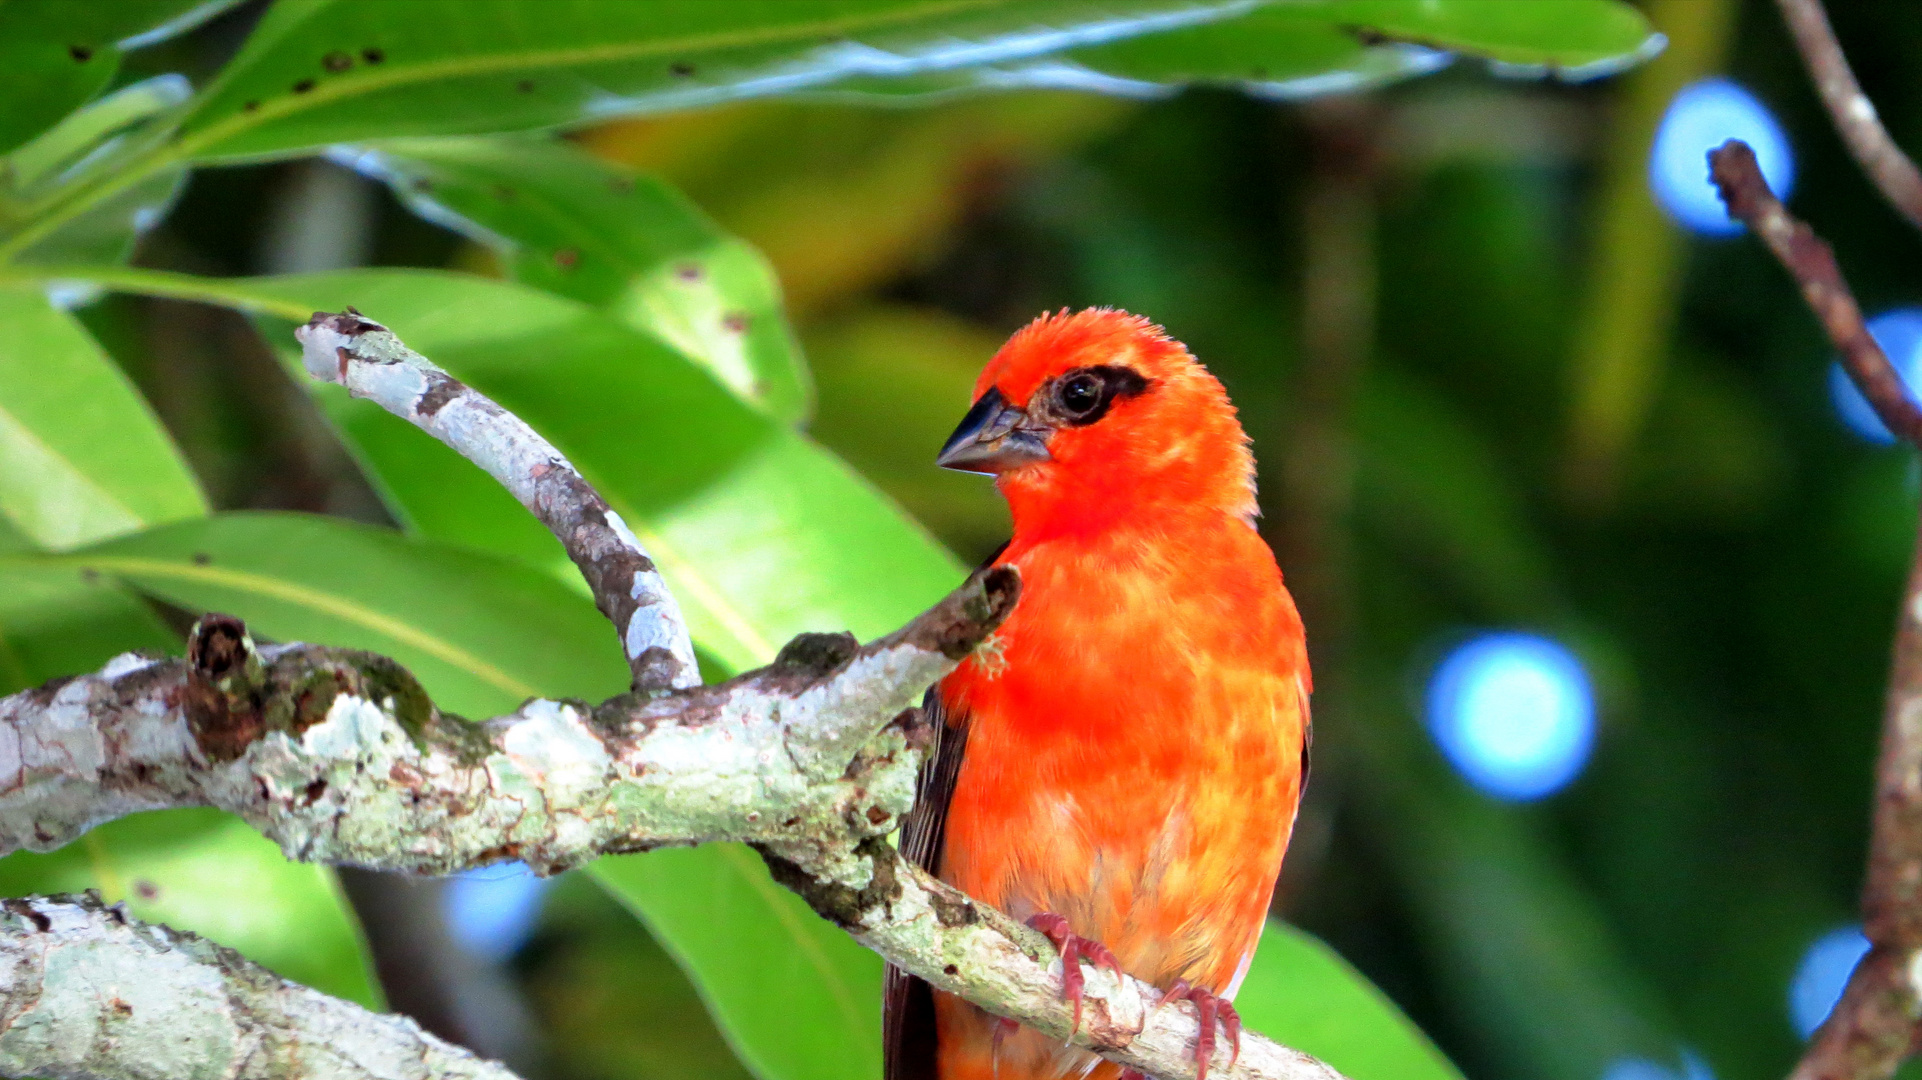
1084 395
1080 394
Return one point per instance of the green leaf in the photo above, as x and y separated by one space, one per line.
127 24
796 997
609 999
1301 993
572 224
1304 48
38 164
55 55
482 634
324 71
209 872
48 66
81 455
105 232
1300 49
55 621
97 146
914 366
761 533
1575 38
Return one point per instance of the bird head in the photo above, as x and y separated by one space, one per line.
1085 417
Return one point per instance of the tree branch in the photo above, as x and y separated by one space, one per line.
340 756
932 930
1855 117
86 991
1868 1034
371 362
1811 262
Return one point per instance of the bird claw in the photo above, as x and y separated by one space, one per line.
1209 1008
1074 948
1003 1027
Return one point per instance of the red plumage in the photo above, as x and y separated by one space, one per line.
1127 750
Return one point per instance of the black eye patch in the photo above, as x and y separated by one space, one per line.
1083 396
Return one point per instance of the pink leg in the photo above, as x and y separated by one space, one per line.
1003 1027
1073 948
1209 1009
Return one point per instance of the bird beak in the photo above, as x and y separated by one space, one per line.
993 438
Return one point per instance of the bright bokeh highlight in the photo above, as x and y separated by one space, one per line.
1636 1068
1822 974
491 912
1701 117
1514 713
1899 332
1692 1067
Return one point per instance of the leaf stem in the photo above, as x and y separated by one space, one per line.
161 283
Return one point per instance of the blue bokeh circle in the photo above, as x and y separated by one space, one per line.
1514 713
1702 116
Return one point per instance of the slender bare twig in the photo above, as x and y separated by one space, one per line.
372 363
1873 1028
91 992
1868 1034
1855 117
1810 261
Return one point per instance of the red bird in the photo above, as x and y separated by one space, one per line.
1120 763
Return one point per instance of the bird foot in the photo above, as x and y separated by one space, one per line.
1073 948
1209 1008
1003 1027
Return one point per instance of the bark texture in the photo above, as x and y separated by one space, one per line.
1872 1029
86 991
341 757
372 363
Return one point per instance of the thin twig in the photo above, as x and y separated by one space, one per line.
1811 262
1855 117
1868 1034
372 363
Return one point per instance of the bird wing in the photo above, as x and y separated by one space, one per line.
907 1003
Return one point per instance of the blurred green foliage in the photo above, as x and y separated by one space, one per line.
1732 598
213 872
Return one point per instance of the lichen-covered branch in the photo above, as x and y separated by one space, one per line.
1854 115
340 756
933 930
89 992
372 363
1871 1029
